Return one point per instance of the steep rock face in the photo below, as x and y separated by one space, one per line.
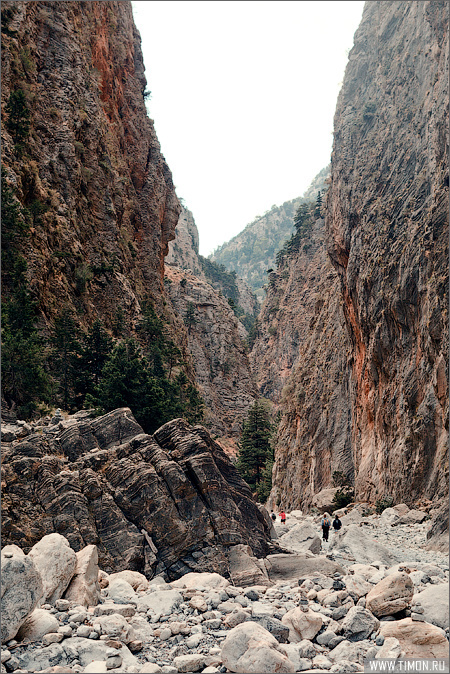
171 502
183 250
91 161
387 234
216 343
252 252
300 361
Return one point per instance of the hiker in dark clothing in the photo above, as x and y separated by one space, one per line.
337 524
273 516
326 524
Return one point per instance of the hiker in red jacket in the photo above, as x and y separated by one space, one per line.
283 517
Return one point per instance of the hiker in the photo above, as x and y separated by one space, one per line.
273 516
337 524
326 524
283 517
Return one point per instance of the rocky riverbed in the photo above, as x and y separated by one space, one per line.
374 592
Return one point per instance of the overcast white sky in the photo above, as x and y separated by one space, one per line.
243 98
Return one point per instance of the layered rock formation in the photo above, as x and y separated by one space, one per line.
216 342
90 168
171 502
369 395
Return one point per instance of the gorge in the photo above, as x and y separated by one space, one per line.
349 344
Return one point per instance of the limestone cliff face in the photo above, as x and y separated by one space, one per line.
368 394
216 344
183 250
91 161
300 362
387 235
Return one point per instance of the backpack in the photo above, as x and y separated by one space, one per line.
326 523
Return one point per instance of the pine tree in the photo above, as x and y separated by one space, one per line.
95 348
189 317
254 447
318 206
65 354
25 381
18 122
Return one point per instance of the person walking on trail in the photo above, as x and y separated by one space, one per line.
326 524
337 524
283 517
273 516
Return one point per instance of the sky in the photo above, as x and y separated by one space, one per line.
243 94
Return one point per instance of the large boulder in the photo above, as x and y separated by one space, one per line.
302 624
360 545
137 580
160 601
434 601
249 648
209 581
323 500
121 592
390 595
412 517
291 567
357 585
37 624
417 639
84 588
245 570
56 562
302 537
21 589
358 624
115 626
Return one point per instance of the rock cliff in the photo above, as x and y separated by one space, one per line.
299 360
387 236
252 252
369 395
90 168
171 502
219 354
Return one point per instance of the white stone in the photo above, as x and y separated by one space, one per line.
84 587
21 589
38 623
163 602
390 649
120 591
302 625
96 666
302 537
150 668
193 581
56 562
390 595
357 585
250 648
434 601
189 663
115 626
137 580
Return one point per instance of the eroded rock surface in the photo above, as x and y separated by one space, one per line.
169 502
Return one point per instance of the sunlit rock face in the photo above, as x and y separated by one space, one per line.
367 393
91 160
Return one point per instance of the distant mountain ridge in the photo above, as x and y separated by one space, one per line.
253 251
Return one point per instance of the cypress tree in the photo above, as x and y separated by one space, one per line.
65 354
254 447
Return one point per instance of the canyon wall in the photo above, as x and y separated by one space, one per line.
387 238
90 169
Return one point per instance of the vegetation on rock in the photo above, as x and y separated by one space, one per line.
255 458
